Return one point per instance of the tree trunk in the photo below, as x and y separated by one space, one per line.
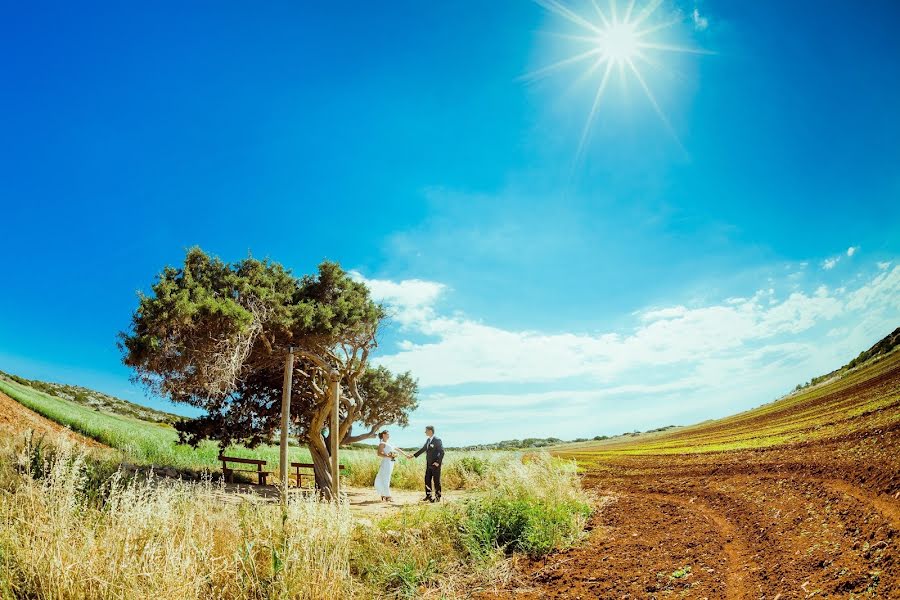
321 466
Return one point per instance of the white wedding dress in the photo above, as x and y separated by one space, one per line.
383 479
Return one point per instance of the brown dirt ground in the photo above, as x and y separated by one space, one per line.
16 419
816 519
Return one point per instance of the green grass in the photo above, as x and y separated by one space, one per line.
142 442
146 443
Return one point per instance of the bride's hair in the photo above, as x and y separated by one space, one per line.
382 434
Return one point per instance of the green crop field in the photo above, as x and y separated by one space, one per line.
147 443
851 402
142 442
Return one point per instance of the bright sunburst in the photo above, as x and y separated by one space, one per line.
620 41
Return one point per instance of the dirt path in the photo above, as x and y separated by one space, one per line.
364 501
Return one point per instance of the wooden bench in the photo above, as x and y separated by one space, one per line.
311 473
228 472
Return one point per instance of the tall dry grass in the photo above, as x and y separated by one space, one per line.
461 470
74 527
63 538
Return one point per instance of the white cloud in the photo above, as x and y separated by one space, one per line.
883 292
700 22
732 354
665 313
829 263
411 300
852 250
884 265
459 350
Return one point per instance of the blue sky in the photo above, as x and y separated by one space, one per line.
663 274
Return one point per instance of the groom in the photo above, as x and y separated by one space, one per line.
434 454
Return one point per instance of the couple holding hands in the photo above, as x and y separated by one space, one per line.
434 455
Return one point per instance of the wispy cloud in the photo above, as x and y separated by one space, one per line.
852 250
829 263
700 22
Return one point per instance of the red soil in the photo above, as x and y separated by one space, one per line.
817 518
16 419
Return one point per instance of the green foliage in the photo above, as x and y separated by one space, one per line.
532 526
532 507
213 335
884 346
681 573
474 464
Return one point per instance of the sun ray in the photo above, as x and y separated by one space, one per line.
657 66
645 13
628 11
590 120
600 12
657 27
671 48
652 99
543 71
617 40
587 39
556 7
590 71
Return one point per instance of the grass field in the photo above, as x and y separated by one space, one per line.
72 526
146 443
805 415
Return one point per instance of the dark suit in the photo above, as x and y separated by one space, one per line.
434 453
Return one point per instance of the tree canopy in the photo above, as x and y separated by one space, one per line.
214 335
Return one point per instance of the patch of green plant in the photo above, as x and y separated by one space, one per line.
681 573
475 465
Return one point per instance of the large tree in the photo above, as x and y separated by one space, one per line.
214 335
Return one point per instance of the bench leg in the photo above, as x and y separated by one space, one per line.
262 478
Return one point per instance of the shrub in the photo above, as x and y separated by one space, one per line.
475 465
533 507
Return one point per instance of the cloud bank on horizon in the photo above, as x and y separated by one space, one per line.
673 365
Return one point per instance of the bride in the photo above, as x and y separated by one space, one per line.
388 454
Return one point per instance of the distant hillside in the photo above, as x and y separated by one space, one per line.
849 401
528 443
881 348
96 400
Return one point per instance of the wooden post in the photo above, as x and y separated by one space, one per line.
285 420
335 433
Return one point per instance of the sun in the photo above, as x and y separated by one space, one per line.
622 40
618 42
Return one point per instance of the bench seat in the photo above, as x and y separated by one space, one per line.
228 472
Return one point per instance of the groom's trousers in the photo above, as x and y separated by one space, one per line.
433 476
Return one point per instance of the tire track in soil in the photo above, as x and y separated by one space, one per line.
890 510
738 554
638 542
